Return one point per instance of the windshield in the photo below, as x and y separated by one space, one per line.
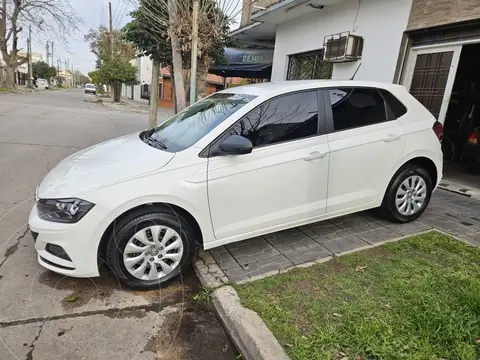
89 86
190 125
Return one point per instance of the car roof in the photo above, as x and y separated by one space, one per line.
281 87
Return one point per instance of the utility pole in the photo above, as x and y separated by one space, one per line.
112 90
193 70
111 27
52 53
29 56
66 73
47 48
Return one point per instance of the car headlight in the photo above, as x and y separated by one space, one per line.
63 210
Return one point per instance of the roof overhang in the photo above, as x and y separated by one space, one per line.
256 33
284 11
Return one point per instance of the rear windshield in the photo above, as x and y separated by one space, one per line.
190 125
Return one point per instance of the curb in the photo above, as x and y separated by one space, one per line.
208 271
250 334
459 189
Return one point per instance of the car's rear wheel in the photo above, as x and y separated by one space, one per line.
150 249
408 194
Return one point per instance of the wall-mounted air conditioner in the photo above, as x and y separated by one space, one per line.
342 47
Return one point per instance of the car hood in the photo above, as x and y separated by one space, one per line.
107 163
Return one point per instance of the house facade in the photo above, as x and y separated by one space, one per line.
439 57
428 46
299 30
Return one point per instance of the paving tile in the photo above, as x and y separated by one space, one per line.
348 243
451 213
375 236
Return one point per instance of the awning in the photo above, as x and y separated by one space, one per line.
245 63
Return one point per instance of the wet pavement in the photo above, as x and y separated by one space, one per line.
45 316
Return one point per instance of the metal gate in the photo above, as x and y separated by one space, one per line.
310 65
429 79
430 74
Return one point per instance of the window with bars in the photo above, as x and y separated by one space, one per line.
310 65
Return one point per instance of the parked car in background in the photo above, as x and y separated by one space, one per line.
90 89
243 162
42 84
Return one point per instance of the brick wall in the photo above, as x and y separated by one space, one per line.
167 99
428 13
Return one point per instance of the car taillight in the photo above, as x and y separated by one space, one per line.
474 138
438 130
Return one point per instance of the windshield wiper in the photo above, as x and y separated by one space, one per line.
147 137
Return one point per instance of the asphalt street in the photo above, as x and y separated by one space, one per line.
47 316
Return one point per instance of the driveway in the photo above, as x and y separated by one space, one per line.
47 316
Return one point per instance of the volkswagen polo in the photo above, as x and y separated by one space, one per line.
240 163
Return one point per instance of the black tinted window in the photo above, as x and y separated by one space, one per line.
355 107
285 118
395 107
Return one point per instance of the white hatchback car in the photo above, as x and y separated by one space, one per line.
240 163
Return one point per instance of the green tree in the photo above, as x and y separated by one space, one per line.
42 70
117 72
95 77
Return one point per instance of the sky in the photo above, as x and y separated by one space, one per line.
94 13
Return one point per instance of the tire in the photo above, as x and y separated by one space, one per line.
389 206
142 221
448 150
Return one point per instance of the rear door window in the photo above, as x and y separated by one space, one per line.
356 107
395 107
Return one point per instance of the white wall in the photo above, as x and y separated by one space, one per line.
380 22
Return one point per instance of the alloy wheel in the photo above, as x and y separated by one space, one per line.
153 252
411 195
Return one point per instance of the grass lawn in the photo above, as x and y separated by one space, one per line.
414 299
3 90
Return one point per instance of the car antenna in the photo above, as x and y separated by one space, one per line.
353 77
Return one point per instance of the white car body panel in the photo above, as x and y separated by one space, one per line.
232 198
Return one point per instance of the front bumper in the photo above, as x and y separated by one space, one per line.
78 244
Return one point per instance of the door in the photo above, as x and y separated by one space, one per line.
430 76
283 180
365 145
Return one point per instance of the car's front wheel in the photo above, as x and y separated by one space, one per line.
150 249
408 194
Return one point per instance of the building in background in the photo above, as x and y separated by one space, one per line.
328 38
141 91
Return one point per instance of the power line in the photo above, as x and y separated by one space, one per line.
120 15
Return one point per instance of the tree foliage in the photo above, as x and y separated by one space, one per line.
95 77
118 71
53 17
111 70
42 70
145 42
100 45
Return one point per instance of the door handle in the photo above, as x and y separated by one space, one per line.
392 137
314 155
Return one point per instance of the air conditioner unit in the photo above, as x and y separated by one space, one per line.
342 47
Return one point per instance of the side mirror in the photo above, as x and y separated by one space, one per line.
236 145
